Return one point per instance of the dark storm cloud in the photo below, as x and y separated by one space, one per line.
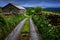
43 3
30 1
22 1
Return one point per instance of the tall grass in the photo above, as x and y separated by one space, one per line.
7 25
1 10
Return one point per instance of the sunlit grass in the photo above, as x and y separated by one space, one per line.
48 13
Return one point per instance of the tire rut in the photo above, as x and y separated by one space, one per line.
34 34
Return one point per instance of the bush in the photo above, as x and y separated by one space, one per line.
48 31
38 10
30 11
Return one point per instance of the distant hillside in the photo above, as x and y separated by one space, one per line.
29 7
48 9
52 9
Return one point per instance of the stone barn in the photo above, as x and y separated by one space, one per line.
13 9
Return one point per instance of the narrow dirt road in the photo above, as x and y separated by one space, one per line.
34 34
16 32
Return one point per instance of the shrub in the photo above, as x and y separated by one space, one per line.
48 31
38 10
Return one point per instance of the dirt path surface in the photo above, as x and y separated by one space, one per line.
16 32
34 34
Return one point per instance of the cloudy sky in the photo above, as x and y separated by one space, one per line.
32 3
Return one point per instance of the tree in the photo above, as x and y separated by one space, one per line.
30 11
38 10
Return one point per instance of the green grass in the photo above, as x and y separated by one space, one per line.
25 31
0 9
48 13
8 24
26 26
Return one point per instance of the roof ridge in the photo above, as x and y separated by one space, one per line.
18 6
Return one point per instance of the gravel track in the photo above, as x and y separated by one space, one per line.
15 34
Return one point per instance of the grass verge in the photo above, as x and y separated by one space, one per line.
25 31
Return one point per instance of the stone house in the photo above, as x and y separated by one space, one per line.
13 9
